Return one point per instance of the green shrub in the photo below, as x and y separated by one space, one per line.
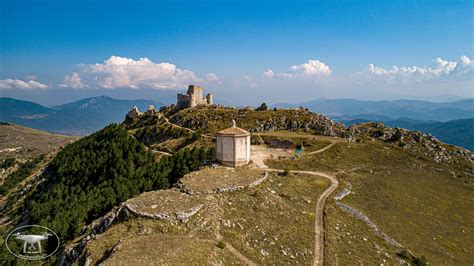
220 244
196 134
7 163
262 107
412 259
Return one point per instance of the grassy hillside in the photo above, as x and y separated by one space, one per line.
414 189
425 206
90 176
25 143
229 228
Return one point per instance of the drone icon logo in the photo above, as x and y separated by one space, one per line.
32 242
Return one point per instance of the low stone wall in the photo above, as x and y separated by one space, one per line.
182 216
232 188
355 213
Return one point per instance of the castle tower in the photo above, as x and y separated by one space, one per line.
233 146
193 98
209 99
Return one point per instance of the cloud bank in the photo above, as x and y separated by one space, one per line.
20 84
438 68
311 69
122 72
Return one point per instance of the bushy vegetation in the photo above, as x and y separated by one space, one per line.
87 178
7 163
24 170
411 259
262 107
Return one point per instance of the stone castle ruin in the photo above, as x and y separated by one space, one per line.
134 112
193 97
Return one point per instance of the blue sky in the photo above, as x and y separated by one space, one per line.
46 42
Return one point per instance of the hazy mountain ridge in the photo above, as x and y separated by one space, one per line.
90 114
413 109
76 118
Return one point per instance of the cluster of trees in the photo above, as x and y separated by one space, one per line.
87 178
24 170
262 107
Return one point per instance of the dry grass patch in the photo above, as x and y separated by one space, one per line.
274 222
423 205
349 241
145 242
309 141
212 180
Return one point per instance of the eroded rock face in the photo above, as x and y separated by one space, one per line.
413 140
133 113
254 121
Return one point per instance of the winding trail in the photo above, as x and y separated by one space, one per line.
185 128
262 154
321 150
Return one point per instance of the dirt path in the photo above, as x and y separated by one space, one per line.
321 150
260 154
219 213
185 128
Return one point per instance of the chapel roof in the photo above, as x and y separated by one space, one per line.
233 130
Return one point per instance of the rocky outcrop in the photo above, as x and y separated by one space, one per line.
259 121
414 141
133 113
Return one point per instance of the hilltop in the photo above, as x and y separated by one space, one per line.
370 190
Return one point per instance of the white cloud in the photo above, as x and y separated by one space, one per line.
121 72
312 68
211 77
73 81
20 84
309 70
268 74
438 68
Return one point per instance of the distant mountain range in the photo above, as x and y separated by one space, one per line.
77 118
390 110
451 122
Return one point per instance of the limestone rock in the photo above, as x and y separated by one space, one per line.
133 113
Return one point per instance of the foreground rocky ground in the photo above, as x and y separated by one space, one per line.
219 215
